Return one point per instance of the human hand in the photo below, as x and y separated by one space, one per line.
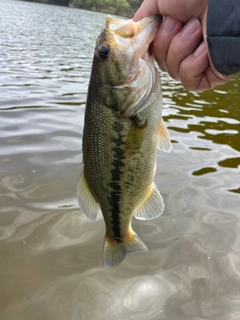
180 45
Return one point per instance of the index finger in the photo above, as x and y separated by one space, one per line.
147 9
181 10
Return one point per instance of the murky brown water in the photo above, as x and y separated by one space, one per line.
50 254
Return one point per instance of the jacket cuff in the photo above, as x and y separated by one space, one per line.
223 35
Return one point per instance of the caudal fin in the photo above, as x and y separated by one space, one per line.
114 252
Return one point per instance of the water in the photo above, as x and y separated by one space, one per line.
50 254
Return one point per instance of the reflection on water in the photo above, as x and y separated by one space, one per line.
50 254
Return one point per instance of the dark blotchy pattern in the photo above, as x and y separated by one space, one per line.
115 194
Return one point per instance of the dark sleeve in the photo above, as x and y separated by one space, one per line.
223 35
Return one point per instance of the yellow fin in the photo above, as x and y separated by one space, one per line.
152 205
134 139
87 203
114 252
163 137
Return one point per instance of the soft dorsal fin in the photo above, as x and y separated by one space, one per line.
152 205
163 137
87 203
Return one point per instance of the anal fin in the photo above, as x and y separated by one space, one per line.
152 205
114 252
163 137
87 203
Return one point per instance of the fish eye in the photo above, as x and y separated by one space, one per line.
104 51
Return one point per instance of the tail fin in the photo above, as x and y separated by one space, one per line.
114 252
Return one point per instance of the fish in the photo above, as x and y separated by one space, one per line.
123 127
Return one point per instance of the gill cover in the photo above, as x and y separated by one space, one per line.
125 74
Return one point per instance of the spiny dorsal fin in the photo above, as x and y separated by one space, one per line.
87 203
114 252
163 137
152 205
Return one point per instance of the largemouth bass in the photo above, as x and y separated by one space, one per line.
123 128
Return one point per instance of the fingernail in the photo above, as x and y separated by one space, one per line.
191 27
200 49
168 25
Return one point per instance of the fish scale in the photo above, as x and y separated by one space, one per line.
122 129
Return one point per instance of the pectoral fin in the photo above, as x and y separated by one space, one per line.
87 203
135 137
163 137
152 205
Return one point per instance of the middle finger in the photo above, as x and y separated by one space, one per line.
182 45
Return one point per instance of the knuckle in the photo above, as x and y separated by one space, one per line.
184 69
190 83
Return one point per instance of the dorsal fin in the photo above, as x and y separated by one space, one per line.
163 137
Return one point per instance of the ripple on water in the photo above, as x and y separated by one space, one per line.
50 261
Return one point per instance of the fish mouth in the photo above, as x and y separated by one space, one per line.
128 42
127 34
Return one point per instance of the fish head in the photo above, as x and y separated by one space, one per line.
123 67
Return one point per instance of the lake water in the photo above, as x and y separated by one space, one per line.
50 254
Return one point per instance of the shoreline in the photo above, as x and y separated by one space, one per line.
124 12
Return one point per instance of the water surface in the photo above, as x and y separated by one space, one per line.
50 254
